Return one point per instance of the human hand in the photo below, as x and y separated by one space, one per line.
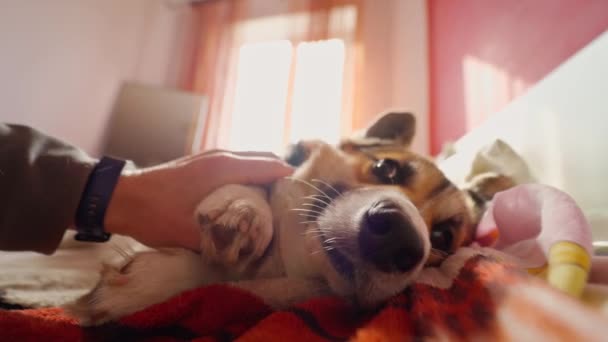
156 205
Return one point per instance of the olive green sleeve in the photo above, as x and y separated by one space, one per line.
41 181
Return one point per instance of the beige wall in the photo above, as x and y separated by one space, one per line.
63 61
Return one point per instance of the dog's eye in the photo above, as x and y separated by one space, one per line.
388 171
442 234
296 154
442 239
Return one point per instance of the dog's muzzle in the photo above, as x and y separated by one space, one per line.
389 240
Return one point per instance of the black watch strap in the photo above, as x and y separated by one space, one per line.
95 199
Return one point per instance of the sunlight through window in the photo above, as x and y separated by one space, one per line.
487 89
258 118
317 94
266 115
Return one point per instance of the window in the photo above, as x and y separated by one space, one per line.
317 91
290 93
258 116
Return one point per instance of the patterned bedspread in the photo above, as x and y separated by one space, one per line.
475 295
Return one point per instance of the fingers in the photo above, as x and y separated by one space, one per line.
257 154
220 167
241 153
223 154
253 170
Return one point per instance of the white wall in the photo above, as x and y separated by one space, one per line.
560 127
63 61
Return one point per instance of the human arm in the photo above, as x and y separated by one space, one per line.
41 181
156 205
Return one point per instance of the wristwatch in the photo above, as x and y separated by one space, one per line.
95 198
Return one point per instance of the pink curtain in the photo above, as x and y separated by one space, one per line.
220 38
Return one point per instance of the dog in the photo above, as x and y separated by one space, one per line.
357 220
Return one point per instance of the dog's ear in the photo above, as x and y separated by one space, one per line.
482 188
398 127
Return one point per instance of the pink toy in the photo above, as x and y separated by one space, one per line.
545 230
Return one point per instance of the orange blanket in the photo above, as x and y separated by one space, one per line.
486 298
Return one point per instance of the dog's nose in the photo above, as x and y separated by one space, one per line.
389 240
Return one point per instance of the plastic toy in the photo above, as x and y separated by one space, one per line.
545 230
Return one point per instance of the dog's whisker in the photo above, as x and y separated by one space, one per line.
306 210
310 185
317 201
318 198
334 244
310 212
328 185
308 222
329 240
315 236
313 205
318 230
300 209
306 215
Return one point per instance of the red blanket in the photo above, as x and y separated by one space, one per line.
485 298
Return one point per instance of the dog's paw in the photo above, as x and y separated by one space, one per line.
236 225
142 280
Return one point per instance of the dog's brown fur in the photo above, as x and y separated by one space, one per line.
263 246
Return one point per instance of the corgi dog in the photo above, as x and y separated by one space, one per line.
357 220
